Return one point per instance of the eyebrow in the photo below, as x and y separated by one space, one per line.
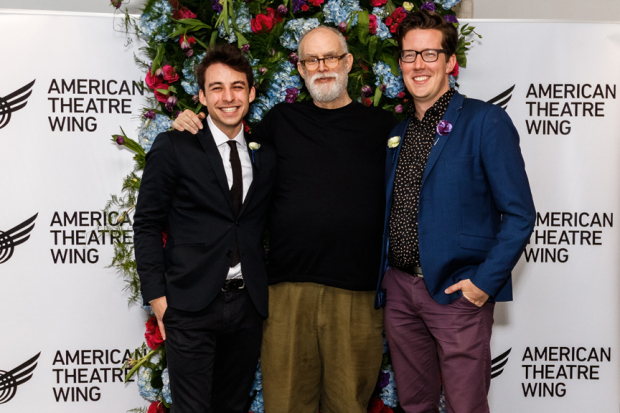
330 53
237 82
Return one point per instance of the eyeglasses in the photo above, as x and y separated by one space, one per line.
331 62
428 55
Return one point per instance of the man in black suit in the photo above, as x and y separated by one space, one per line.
208 285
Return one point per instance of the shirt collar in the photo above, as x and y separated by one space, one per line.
438 107
220 137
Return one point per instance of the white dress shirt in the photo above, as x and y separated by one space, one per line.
220 139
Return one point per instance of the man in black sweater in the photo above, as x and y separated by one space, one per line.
322 340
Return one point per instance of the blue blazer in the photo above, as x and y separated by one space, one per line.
475 211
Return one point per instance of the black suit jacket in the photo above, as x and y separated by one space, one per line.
184 192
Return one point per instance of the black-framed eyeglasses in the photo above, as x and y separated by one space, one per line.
331 62
428 55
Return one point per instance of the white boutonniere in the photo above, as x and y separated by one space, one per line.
393 142
254 146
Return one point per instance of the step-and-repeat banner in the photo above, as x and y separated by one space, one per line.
69 81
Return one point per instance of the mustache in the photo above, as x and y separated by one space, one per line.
324 76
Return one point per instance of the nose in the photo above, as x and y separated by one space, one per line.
418 63
322 66
228 95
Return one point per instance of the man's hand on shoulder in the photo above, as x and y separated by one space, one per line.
189 121
470 291
159 306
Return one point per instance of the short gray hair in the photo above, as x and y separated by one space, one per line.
343 41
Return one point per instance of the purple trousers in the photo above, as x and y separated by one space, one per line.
431 343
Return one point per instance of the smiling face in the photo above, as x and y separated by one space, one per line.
426 82
326 86
227 97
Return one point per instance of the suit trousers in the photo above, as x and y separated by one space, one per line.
431 343
213 354
321 345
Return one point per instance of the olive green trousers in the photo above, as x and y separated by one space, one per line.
320 345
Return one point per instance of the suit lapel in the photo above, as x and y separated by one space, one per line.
451 115
206 140
391 163
255 175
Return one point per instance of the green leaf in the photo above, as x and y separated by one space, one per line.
165 92
390 7
201 43
158 58
372 47
378 95
198 107
392 62
362 26
240 39
213 38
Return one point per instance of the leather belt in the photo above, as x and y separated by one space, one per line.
414 270
234 284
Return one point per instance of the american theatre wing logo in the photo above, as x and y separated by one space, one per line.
498 363
15 236
10 380
503 98
13 102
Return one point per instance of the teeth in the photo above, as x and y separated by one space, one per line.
228 109
420 78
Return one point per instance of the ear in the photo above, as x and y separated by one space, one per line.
349 62
202 98
400 63
252 94
451 64
300 69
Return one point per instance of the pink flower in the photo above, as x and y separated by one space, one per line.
455 71
162 97
183 13
377 3
372 24
170 75
401 95
153 334
152 81
156 407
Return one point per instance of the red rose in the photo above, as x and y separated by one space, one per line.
401 95
262 24
169 74
372 24
184 13
377 3
317 3
152 334
388 21
366 101
455 71
156 407
163 98
305 7
376 405
394 28
152 81
275 17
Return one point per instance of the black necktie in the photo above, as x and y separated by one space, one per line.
236 190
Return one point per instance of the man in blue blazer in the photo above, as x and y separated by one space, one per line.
459 213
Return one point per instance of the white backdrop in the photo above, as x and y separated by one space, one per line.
562 309
574 303
48 307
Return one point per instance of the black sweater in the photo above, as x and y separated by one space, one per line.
326 222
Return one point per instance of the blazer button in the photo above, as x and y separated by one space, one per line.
229 254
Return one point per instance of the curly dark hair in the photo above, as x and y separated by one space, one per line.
429 20
228 55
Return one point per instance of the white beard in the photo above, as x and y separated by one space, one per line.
327 92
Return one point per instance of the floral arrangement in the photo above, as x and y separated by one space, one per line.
175 36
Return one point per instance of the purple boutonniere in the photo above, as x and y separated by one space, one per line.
444 127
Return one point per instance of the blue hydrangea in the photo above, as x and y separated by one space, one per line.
165 391
382 30
153 26
294 30
145 375
388 393
447 4
189 81
383 74
243 20
452 82
337 11
442 403
276 91
149 130
258 405
380 12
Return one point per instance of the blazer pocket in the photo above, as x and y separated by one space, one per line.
460 159
476 242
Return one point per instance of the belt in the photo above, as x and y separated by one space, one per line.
234 284
414 270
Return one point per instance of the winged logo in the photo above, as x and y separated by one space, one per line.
14 102
9 380
15 236
503 98
498 363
